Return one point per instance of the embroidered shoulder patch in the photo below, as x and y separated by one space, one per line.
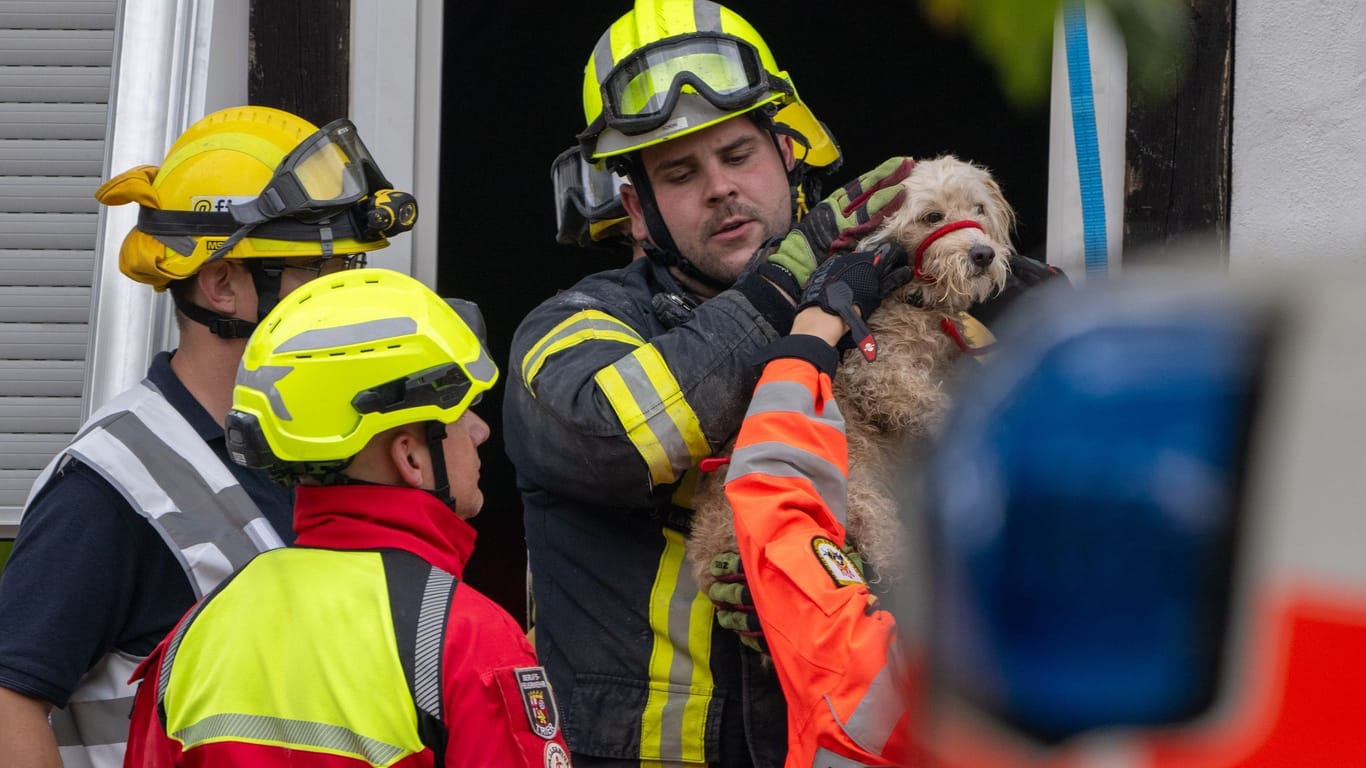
555 756
835 563
538 701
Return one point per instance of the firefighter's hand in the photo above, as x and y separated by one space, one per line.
734 606
838 222
856 280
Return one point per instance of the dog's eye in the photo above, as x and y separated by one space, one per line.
933 217
979 209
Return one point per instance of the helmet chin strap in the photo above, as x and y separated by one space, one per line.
660 248
334 473
265 276
803 186
436 434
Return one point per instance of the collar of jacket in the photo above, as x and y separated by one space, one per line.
382 517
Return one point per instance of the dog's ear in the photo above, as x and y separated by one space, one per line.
1000 214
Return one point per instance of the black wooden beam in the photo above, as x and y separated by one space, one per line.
299 57
1178 151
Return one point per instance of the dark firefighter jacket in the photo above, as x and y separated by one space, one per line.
620 387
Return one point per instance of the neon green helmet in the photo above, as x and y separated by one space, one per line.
345 357
668 68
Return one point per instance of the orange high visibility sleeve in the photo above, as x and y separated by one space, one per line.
836 654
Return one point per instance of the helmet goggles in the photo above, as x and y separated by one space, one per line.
584 193
641 91
329 170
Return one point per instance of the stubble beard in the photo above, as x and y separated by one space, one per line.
726 265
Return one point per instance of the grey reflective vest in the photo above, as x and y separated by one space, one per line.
147 451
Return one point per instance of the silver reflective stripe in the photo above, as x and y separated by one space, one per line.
824 758
788 396
602 56
168 474
156 460
875 717
673 723
92 729
101 722
261 729
781 460
431 627
707 16
356 333
649 402
483 368
264 379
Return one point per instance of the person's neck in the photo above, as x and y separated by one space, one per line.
207 366
693 286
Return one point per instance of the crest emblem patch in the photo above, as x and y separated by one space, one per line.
555 756
836 563
538 702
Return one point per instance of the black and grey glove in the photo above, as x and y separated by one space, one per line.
859 279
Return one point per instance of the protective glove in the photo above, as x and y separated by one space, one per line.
734 606
1025 274
839 221
859 279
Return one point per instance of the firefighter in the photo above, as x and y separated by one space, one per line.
834 647
359 642
143 512
629 378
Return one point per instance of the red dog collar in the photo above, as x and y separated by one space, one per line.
952 226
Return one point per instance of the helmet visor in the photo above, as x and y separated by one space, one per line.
330 169
641 91
584 194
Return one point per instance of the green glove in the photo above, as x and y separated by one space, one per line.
839 221
734 606
855 559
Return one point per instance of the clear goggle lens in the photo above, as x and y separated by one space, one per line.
584 193
641 91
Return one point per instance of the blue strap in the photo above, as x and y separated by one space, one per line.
1084 135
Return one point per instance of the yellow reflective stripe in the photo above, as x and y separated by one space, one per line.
618 394
588 325
656 417
674 723
675 405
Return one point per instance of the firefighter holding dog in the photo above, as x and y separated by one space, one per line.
627 380
359 644
143 512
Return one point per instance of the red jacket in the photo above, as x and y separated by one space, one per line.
494 701
836 654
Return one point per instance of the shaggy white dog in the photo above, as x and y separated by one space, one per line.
955 227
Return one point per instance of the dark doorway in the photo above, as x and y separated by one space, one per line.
882 81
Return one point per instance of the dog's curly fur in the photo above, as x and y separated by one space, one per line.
899 399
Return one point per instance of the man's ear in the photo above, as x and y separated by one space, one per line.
408 454
214 282
785 149
631 202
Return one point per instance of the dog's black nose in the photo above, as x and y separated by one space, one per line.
981 255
